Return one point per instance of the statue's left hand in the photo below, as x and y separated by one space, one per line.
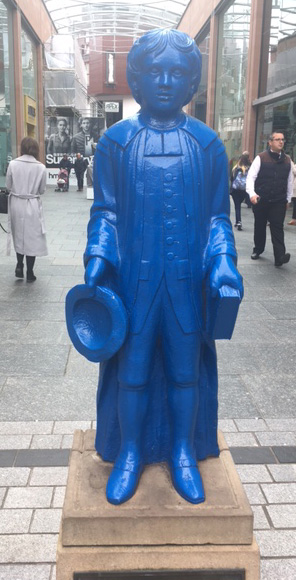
224 272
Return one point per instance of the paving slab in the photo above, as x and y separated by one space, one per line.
29 362
46 521
28 497
276 543
280 492
282 516
49 476
42 457
25 427
283 473
25 572
28 548
12 476
254 474
278 569
46 398
15 521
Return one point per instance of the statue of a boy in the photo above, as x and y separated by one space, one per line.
159 229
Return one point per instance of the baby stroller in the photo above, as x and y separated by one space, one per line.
63 181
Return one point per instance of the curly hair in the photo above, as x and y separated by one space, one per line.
155 42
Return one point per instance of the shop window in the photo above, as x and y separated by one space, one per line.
278 61
29 72
199 101
279 116
232 61
7 95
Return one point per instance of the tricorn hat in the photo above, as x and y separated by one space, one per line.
96 321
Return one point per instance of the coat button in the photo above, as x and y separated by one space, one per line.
170 256
169 209
168 176
170 241
168 193
169 225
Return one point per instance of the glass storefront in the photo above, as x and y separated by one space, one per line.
232 61
281 117
278 73
278 57
7 107
199 101
29 68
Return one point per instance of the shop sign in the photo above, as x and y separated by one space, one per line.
111 107
30 110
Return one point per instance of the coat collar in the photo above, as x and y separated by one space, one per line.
123 132
27 159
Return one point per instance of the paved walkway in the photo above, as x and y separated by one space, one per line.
47 390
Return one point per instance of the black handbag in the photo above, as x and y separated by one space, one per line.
3 201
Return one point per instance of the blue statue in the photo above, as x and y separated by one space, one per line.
160 239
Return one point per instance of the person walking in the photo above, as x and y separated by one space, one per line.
238 186
26 182
292 222
80 166
65 163
270 187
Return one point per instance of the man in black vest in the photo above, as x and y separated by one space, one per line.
270 187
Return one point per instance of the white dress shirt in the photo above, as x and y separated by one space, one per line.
252 176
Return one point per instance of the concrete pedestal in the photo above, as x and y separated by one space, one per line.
156 530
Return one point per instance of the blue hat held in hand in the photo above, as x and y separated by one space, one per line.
96 321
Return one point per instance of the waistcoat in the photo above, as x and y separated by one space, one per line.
165 243
272 179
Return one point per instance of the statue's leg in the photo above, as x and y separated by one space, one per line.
126 473
183 405
182 361
134 369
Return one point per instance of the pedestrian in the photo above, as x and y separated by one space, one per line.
270 187
80 166
65 163
292 222
238 186
26 182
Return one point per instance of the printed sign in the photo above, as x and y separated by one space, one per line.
111 107
71 136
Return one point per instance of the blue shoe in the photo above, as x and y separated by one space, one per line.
124 478
188 483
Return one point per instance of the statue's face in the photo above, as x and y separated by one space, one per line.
164 82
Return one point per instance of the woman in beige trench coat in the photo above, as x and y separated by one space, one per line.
26 181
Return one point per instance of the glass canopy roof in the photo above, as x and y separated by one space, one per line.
130 18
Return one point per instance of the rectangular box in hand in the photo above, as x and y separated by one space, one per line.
222 311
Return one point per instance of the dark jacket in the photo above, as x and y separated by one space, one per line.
66 164
272 179
80 166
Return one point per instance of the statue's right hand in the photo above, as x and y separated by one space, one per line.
94 271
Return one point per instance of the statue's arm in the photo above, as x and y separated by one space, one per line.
102 246
221 257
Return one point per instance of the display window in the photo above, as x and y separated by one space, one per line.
232 62
29 73
7 98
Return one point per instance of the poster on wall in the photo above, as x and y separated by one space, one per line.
70 135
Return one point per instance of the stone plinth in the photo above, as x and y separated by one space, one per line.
156 530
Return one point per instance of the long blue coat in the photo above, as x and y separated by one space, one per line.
115 234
